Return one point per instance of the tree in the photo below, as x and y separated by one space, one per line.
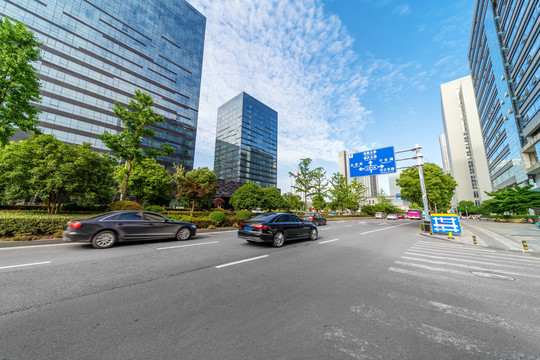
248 196
303 179
219 203
440 187
292 201
271 198
127 145
149 182
53 170
467 207
339 193
19 83
357 194
195 187
319 188
514 199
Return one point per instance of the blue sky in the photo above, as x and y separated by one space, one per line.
342 74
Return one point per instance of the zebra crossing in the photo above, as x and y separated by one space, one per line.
460 300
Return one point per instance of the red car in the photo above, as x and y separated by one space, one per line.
400 216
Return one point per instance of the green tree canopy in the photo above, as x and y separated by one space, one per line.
356 194
19 83
319 188
303 179
272 199
467 207
127 145
339 192
195 187
440 187
150 182
292 201
53 170
248 196
514 199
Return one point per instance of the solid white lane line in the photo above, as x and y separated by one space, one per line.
20 265
181 246
452 248
327 241
348 226
325 229
240 261
386 228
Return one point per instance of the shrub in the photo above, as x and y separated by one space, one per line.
243 214
218 217
155 208
17 224
124 205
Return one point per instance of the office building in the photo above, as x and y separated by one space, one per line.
96 52
444 154
463 144
246 142
504 63
370 182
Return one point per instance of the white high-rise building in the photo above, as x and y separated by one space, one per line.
463 141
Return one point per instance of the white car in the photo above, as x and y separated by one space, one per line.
391 217
379 215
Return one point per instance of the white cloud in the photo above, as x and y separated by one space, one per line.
402 9
294 58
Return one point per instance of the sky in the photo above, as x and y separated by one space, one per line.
349 75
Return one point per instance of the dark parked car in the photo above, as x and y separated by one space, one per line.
276 228
104 230
314 218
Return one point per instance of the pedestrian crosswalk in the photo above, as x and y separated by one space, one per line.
458 299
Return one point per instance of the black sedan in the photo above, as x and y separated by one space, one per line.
276 228
314 218
104 230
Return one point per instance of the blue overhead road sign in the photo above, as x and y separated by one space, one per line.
372 162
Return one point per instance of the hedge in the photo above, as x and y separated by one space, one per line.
16 224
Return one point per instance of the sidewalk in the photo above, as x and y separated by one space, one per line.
505 236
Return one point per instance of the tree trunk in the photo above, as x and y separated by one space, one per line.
191 209
124 188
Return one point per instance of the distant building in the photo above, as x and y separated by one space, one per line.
463 146
96 52
246 142
444 154
370 182
504 62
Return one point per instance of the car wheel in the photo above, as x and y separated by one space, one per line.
313 234
316 222
104 239
279 239
183 234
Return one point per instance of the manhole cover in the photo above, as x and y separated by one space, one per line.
492 276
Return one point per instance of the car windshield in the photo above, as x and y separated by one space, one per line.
309 214
264 217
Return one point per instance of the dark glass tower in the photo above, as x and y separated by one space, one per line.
246 142
96 52
504 62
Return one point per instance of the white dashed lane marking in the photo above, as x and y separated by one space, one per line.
21 265
327 241
240 261
187 245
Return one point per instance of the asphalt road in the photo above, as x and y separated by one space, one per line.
366 289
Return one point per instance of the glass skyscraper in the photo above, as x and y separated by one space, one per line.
96 52
504 63
246 142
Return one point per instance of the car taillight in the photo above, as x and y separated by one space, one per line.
240 224
311 218
74 224
258 226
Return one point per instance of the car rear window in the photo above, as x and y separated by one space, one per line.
264 217
309 214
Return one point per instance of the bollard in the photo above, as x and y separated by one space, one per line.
450 235
525 246
430 231
474 240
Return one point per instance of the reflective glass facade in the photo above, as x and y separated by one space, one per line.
501 124
246 142
96 52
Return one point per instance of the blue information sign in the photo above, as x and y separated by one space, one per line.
372 162
445 223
